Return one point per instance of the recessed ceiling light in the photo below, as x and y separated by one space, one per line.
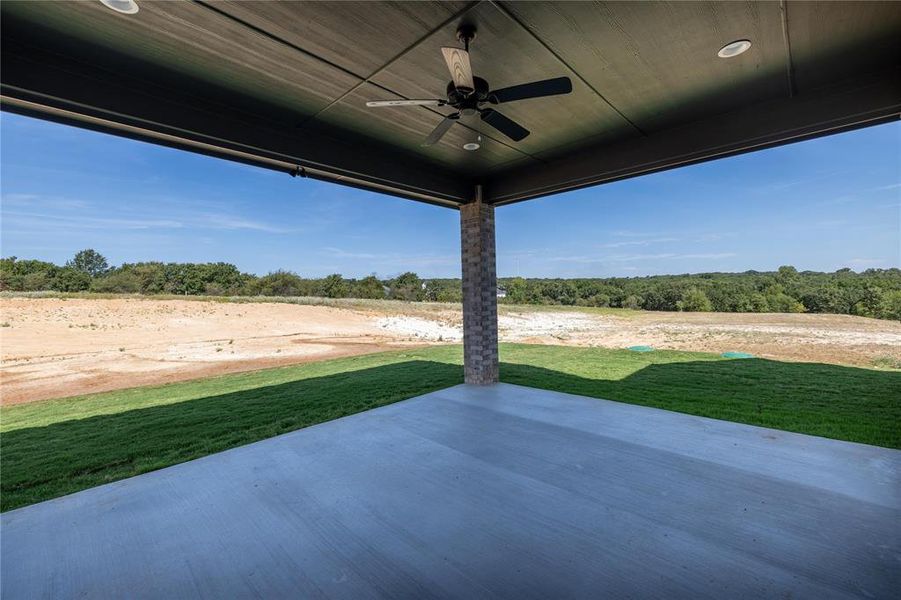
128 7
734 48
473 146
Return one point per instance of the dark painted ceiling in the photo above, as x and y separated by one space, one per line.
283 84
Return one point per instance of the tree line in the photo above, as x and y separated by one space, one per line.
871 293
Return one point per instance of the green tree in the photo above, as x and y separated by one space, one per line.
780 302
601 300
283 283
516 289
787 275
370 287
152 276
89 261
26 275
183 278
36 282
869 303
827 298
633 302
874 292
119 282
333 286
407 286
445 290
694 300
759 303
69 279
891 305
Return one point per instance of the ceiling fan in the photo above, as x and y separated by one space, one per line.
472 95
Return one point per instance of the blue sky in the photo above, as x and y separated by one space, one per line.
820 205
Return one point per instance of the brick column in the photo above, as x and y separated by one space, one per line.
479 292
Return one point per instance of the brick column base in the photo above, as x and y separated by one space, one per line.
479 293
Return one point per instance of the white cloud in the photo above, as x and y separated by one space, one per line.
645 242
42 202
866 263
640 257
816 177
860 195
648 238
829 223
714 237
218 221
53 221
709 255
53 213
394 259
339 253
632 234
670 256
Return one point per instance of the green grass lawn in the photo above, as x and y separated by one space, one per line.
57 447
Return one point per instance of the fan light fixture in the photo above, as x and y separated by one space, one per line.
733 49
473 146
127 7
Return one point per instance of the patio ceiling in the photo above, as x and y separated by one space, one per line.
283 85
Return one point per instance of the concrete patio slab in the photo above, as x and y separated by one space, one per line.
471 492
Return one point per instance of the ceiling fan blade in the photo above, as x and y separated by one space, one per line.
536 89
439 131
457 61
376 103
508 127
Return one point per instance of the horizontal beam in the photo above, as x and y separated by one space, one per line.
54 87
866 101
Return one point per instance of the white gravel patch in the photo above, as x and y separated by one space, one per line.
518 326
588 329
512 327
423 329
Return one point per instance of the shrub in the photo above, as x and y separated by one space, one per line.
694 300
407 286
119 282
783 303
891 305
283 283
333 286
370 287
213 289
36 282
69 279
633 302
14 274
151 276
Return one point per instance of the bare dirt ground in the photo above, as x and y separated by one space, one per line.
52 347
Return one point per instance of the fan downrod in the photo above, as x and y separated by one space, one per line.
466 33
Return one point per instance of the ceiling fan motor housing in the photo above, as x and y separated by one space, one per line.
463 98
